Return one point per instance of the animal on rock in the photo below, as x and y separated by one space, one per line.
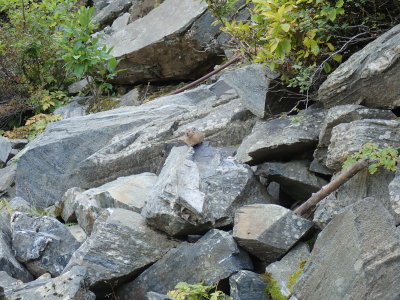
193 137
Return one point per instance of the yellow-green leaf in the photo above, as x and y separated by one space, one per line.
285 27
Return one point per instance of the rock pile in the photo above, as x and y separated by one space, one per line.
148 212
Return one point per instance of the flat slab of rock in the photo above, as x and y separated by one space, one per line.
281 138
247 285
368 77
345 114
268 231
357 256
7 177
348 138
120 246
214 257
42 243
148 47
198 189
70 285
293 177
89 151
360 186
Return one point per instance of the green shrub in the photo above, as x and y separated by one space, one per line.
83 54
300 38
185 291
385 157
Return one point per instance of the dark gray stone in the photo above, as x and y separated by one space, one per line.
360 186
70 285
213 258
173 41
78 86
18 143
92 150
110 12
281 138
348 138
198 189
357 256
293 177
345 114
120 246
368 77
42 243
318 168
254 93
247 285
268 231
129 99
72 109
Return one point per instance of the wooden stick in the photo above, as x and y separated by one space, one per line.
200 80
308 207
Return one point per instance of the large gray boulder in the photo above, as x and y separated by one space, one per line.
362 185
120 246
281 138
214 257
368 77
348 138
42 243
357 256
293 177
71 286
92 150
345 114
8 263
174 41
199 189
268 231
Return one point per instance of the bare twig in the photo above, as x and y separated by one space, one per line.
321 66
308 207
200 80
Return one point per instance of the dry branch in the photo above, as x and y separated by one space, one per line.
308 207
200 80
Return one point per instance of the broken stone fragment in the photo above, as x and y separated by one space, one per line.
268 231
42 243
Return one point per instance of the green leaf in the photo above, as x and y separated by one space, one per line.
285 27
327 67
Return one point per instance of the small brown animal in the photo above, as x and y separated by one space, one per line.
193 137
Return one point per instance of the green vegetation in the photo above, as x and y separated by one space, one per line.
5 204
45 46
84 56
300 38
33 127
273 290
385 157
199 291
